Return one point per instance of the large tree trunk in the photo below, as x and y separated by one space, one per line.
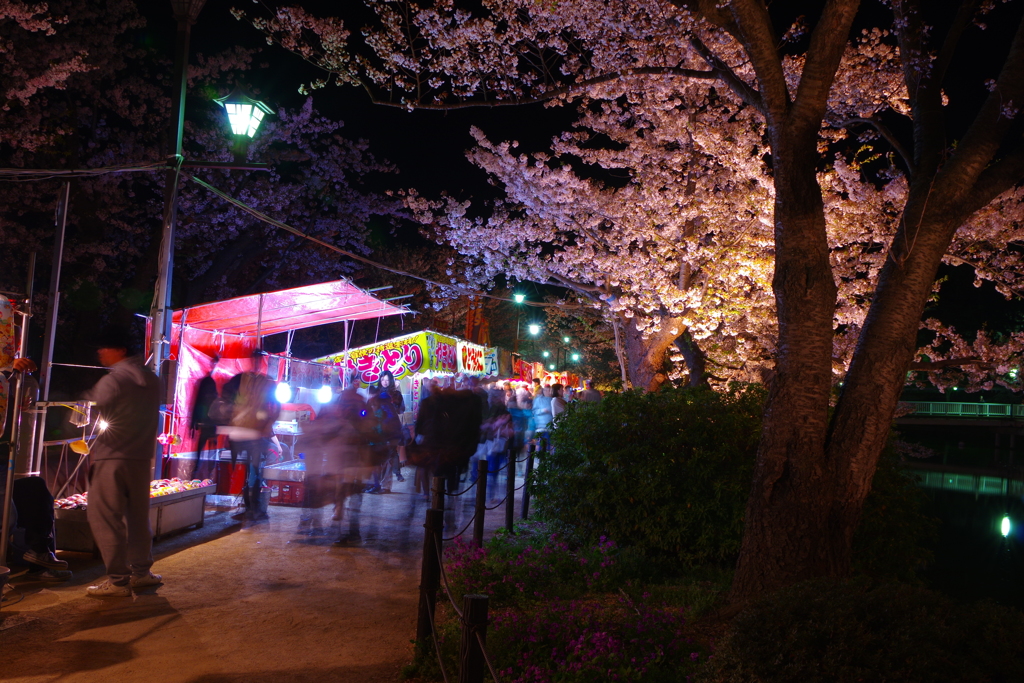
695 359
790 532
645 355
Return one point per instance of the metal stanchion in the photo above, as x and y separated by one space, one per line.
481 501
471 653
430 572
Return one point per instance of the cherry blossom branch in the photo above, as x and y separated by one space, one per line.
828 42
997 179
889 136
986 133
757 37
564 91
930 366
744 90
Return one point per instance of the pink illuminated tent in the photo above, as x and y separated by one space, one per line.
231 330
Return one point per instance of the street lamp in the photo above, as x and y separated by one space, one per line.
575 358
566 340
533 328
545 354
244 112
518 298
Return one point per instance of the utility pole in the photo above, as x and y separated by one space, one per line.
185 13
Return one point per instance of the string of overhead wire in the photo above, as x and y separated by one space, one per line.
34 174
256 213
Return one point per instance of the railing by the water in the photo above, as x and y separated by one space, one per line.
942 409
980 483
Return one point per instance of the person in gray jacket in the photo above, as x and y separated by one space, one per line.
121 458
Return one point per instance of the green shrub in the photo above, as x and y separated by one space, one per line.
850 632
667 473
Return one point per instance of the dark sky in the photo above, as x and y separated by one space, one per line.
428 147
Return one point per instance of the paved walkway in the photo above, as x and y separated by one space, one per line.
239 604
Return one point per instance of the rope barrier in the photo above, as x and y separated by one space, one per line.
444 582
465 490
463 529
487 658
498 504
437 647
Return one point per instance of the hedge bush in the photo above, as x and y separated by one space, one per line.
667 474
850 632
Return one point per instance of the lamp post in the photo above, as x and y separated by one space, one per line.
185 13
519 299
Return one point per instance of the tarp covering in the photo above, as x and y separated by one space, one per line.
287 309
229 332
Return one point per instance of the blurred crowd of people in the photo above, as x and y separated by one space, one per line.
359 444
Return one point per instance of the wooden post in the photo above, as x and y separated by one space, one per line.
510 492
481 503
430 573
471 654
438 491
526 480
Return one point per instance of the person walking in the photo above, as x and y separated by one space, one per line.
252 432
590 394
128 401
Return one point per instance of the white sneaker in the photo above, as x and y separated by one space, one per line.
108 590
149 579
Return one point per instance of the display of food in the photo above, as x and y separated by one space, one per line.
161 487
79 501
157 487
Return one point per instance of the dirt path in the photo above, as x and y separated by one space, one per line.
239 604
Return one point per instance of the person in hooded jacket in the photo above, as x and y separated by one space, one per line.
128 401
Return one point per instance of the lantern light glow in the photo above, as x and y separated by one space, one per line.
244 113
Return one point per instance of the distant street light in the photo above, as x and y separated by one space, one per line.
566 339
244 113
534 329
518 298
575 358
551 367
545 353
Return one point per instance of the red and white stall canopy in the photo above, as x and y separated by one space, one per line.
260 315
218 339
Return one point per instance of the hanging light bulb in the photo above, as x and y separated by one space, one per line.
1005 527
283 392
324 394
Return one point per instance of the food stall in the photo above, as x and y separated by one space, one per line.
222 339
414 358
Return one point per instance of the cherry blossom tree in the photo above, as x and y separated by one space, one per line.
115 113
952 161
